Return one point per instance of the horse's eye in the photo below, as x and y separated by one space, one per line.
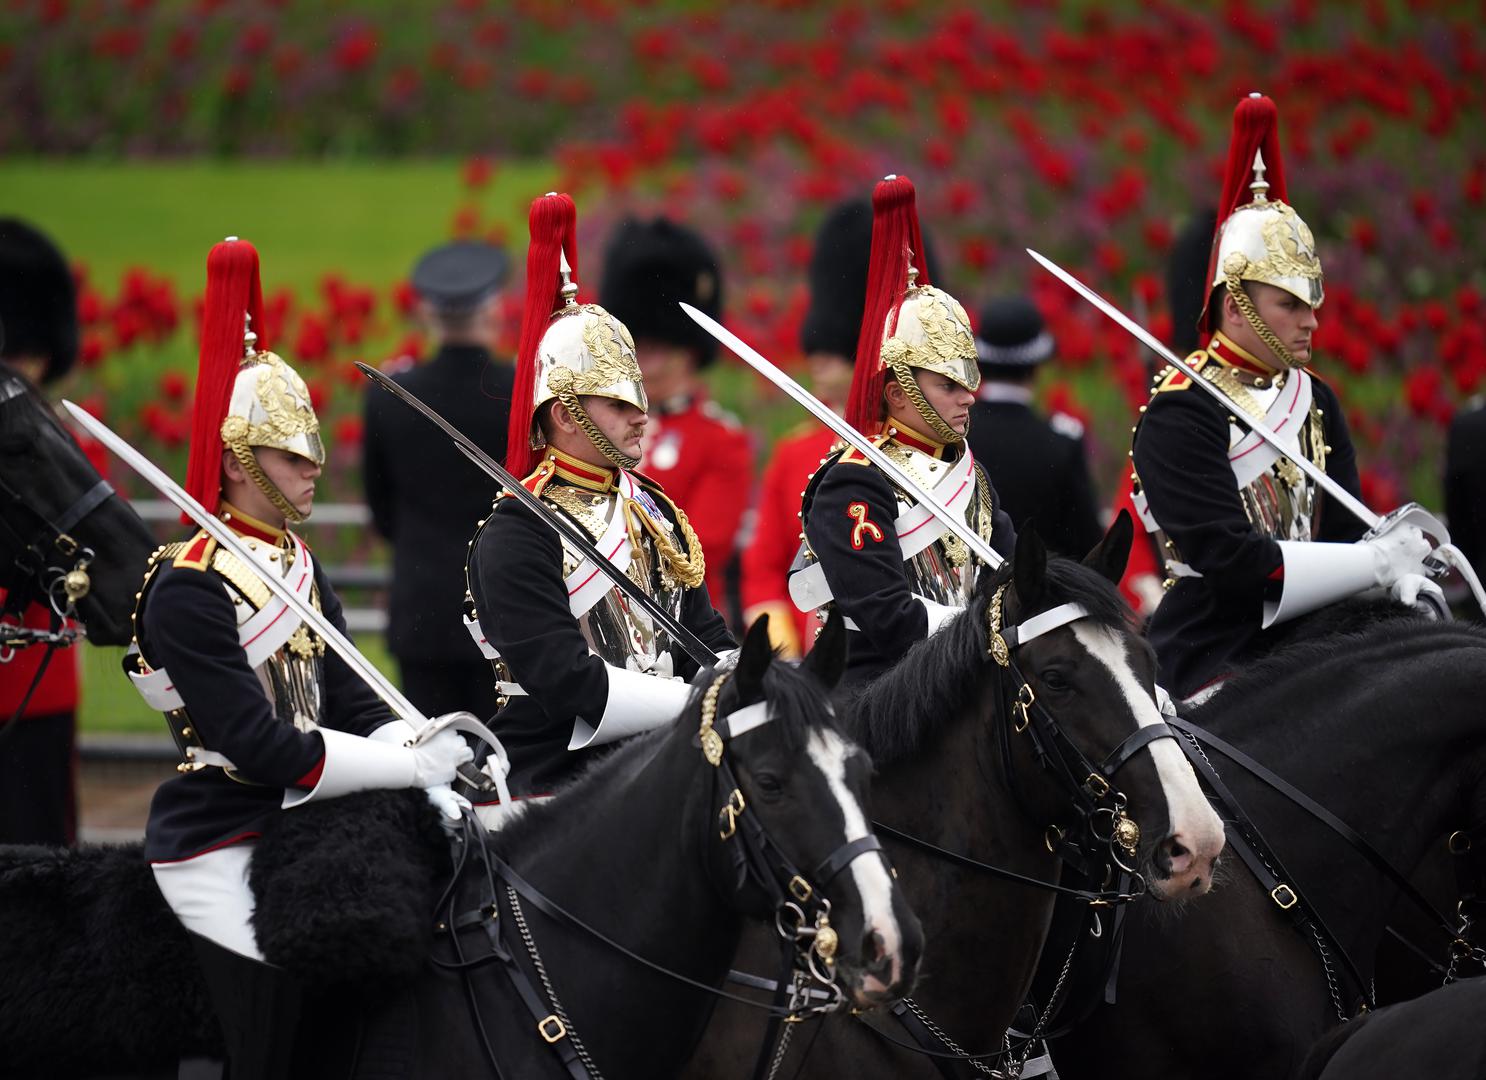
1053 679
768 785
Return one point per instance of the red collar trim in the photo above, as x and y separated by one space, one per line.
581 474
246 525
914 440
1222 349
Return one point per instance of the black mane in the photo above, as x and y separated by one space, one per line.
797 704
937 680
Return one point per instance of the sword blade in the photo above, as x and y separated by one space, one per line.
559 524
754 359
401 707
1258 427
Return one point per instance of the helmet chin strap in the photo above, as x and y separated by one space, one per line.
1245 303
937 424
249 461
601 442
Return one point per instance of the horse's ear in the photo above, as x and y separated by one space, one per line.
1112 553
827 660
1029 566
754 659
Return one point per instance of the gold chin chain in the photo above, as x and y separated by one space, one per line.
601 442
249 461
688 571
1245 304
930 414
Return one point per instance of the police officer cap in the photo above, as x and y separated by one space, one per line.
648 267
1012 334
38 300
457 276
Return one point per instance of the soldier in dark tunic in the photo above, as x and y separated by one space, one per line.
1249 540
264 717
895 570
423 493
1038 466
577 662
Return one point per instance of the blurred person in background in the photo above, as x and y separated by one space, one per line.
1465 481
38 758
423 494
1038 466
694 449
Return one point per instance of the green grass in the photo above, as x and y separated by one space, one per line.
367 221
110 705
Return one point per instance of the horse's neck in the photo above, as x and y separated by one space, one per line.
955 794
1389 747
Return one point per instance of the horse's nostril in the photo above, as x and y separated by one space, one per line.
873 947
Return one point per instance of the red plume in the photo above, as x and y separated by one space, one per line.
554 230
233 290
895 233
1256 126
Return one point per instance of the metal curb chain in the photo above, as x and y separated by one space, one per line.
954 1047
536 959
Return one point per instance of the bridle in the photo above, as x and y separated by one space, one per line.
1104 831
1104 827
759 871
49 566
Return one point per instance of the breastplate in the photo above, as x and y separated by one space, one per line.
618 631
940 572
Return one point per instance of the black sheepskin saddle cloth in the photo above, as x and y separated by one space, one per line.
98 976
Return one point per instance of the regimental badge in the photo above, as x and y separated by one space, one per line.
864 526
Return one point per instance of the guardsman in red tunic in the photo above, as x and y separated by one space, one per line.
892 567
694 449
266 718
38 766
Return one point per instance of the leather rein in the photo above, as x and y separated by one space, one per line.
756 862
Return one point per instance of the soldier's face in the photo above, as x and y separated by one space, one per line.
1291 318
950 400
622 422
292 474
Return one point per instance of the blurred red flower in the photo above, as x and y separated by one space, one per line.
355 51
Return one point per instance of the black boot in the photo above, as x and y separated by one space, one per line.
258 1007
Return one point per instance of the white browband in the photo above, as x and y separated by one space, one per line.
1049 620
746 719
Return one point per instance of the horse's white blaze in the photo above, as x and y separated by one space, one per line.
1190 815
874 884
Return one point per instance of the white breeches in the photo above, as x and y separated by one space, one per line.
210 895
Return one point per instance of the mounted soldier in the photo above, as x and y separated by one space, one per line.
577 663
1248 538
892 567
265 719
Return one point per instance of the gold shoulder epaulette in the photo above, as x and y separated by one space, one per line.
195 553
241 577
1170 378
851 455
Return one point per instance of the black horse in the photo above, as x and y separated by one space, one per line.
57 513
957 772
1380 725
635 849
646 848
1438 1035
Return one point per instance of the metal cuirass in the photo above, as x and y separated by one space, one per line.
939 572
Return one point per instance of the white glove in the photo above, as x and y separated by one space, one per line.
447 802
1409 588
435 761
1398 554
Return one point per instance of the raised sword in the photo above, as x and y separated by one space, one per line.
401 707
1378 525
564 528
900 476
